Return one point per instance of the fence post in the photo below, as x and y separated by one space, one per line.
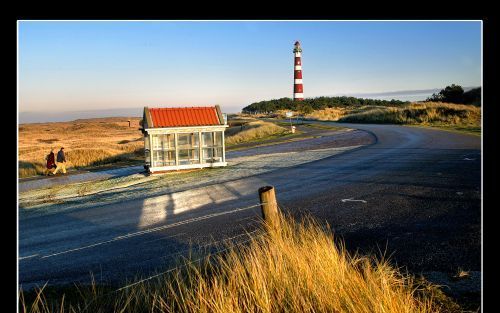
268 205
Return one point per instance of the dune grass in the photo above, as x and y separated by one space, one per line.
106 141
426 113
449 116
297 267
327 114
87 143
255 130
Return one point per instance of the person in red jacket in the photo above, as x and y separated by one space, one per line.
51 163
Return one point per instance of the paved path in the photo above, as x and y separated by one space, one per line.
30 184
249 149
418 193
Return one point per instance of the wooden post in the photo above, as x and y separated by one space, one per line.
268 205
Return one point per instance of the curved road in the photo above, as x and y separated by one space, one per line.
418 192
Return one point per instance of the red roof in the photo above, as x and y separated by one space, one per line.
175 117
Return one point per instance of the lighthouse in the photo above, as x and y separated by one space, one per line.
298 88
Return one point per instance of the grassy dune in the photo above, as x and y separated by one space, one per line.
419 113
86 143
297 268
459 117
252 131
328 114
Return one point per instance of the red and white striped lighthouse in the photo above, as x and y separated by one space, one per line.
298 88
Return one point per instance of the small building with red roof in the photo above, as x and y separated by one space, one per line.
183 138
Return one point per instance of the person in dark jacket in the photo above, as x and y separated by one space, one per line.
61 161
51 163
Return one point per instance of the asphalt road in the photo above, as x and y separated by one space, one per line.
419 193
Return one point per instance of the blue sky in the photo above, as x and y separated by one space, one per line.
74 66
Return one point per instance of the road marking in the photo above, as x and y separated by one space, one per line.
147 231
27 257
353 200
163 238
467 159
459 193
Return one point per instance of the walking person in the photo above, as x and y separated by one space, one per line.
51 163
61 160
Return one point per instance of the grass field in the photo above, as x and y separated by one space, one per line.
297 267
107 141
427 113
87 143
456 117
253 130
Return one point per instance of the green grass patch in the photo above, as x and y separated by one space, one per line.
323 126
463 129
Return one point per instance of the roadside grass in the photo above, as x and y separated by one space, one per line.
426 113
448 116
32 199
326 127
59 193
298 267
256 131
311 125
464 129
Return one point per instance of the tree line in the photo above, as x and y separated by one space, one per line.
456 94
311 104
452 94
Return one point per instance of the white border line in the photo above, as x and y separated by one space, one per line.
152 21
482 130
180 21
17 164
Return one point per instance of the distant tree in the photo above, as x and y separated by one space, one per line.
453 94
473 96
306 109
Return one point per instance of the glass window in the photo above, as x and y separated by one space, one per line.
208 154
188 148
163 150
212 146
168 141
218 138
189 156
188 140
208 140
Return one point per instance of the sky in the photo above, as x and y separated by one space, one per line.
78 66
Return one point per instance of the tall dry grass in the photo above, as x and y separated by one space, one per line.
255 130
86 143
328 114
419 113
296 268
